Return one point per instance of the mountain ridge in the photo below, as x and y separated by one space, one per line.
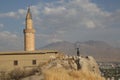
100 50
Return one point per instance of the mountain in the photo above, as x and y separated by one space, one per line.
100 50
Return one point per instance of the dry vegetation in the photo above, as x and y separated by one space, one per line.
59 69
62 74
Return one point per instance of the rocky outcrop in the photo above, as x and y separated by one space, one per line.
69 68
87 63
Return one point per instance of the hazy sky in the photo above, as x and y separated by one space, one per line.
60 20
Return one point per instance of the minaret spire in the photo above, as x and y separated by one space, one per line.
28 16
29 33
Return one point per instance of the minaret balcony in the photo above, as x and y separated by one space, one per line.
29 31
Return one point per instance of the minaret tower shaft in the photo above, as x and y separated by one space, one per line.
29 33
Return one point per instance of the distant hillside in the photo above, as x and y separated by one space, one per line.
102 51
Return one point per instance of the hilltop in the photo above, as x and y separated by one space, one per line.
66 67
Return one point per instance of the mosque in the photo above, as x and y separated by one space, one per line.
29 58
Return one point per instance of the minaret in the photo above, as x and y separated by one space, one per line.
29 33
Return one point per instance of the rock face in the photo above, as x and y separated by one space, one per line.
70 63
89 64
69 68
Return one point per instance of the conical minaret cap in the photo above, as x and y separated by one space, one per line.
28 16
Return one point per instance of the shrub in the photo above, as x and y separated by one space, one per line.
16 74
